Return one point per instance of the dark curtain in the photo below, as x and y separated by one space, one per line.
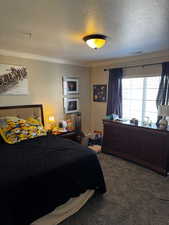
114 102
163 91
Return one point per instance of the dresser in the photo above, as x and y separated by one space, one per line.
146 146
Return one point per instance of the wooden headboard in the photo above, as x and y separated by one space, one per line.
23 111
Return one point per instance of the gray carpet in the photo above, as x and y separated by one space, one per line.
135 196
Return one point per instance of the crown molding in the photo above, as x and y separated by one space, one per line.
125 61
161 56
5 52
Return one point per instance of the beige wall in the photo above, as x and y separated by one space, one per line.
98 109
45 86
99 76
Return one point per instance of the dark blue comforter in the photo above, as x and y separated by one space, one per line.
39 174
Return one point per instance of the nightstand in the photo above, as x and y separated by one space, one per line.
72 135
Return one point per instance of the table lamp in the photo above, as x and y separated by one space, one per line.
51 120
163 110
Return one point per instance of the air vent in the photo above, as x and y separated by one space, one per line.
137 53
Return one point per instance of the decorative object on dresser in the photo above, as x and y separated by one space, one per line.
134 121
99 93
146 146
163 111
13 80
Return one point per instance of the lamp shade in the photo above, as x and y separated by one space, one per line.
163 110
51 119
95 41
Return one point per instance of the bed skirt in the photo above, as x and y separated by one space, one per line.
62 212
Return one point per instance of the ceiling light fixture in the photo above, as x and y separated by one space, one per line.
95 41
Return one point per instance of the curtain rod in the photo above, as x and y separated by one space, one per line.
128 67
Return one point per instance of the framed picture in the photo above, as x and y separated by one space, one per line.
13 80
100 93
71 105
70 85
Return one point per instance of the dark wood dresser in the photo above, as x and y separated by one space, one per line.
148 147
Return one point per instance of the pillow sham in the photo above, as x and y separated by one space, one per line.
14 130
34 121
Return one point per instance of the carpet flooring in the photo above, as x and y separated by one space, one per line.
135 196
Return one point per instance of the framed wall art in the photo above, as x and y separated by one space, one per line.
13 80
71 105
70 86
100 93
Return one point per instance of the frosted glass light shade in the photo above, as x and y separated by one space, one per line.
95 41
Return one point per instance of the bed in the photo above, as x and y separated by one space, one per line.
39 175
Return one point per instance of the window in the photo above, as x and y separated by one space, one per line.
139 98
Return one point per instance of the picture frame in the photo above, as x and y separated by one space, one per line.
100 93
13 80
71 105
70 86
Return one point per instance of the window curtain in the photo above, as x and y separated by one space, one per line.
114 102
163 91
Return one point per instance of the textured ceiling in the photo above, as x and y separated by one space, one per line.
57 27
